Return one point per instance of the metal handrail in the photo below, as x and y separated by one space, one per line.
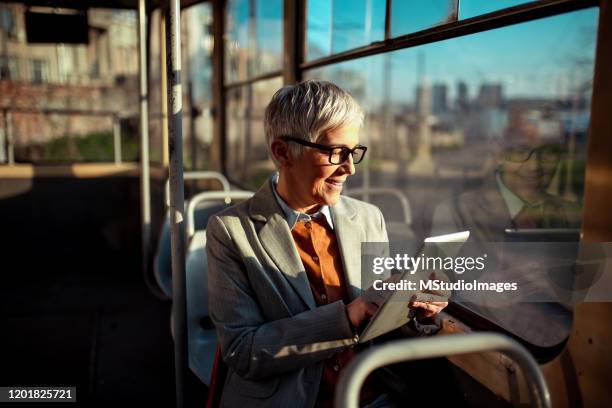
226 196
365 192
351 380
199 175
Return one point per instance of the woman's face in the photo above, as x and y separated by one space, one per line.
313 180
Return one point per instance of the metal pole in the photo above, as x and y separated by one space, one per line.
4 139
177 199
164 87
10 144
117 139
219 134
353 377
145 195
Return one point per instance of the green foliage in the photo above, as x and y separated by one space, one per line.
93 147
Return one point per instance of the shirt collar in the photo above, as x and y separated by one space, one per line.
514 203
292 216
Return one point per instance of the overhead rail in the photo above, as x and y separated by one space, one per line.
353 377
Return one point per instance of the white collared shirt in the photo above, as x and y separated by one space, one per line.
292 216
514 203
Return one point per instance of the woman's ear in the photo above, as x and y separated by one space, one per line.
281 153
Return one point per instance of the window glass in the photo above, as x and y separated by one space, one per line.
254 38
410 16
9 68
471 147
247 155
197 43
340 25
473 8
62 98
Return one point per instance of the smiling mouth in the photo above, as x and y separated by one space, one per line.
337 185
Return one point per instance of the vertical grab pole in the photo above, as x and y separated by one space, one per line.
177 199
164 86
145 196
117 139
10 143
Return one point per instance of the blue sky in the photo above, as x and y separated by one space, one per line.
539 58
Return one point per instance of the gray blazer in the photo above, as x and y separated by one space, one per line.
272 335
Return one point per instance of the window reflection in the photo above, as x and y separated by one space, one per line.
495 141
247 156
254 38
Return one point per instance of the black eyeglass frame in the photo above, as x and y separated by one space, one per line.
556 149
344 153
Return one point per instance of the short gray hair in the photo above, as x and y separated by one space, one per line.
308 110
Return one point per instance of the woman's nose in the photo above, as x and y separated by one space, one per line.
348 165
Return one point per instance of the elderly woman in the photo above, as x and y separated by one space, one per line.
284 266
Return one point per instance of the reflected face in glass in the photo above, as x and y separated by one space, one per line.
313 179
529 167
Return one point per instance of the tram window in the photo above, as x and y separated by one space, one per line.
247 160
254 38
410 16
9 68
197 86
62 101
445 136
473 8
339 25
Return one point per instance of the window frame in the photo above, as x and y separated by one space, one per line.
295 65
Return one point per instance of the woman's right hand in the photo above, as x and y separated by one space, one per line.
359 311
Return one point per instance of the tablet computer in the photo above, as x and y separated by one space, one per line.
394 313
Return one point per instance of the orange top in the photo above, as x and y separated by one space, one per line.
318 248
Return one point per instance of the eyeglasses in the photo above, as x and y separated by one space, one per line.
337 154
521 153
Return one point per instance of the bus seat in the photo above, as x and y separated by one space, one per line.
201 335
162 265
202 339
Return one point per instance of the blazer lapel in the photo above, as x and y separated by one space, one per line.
277 240
349 235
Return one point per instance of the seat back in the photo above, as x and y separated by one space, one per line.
201 335
162 263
